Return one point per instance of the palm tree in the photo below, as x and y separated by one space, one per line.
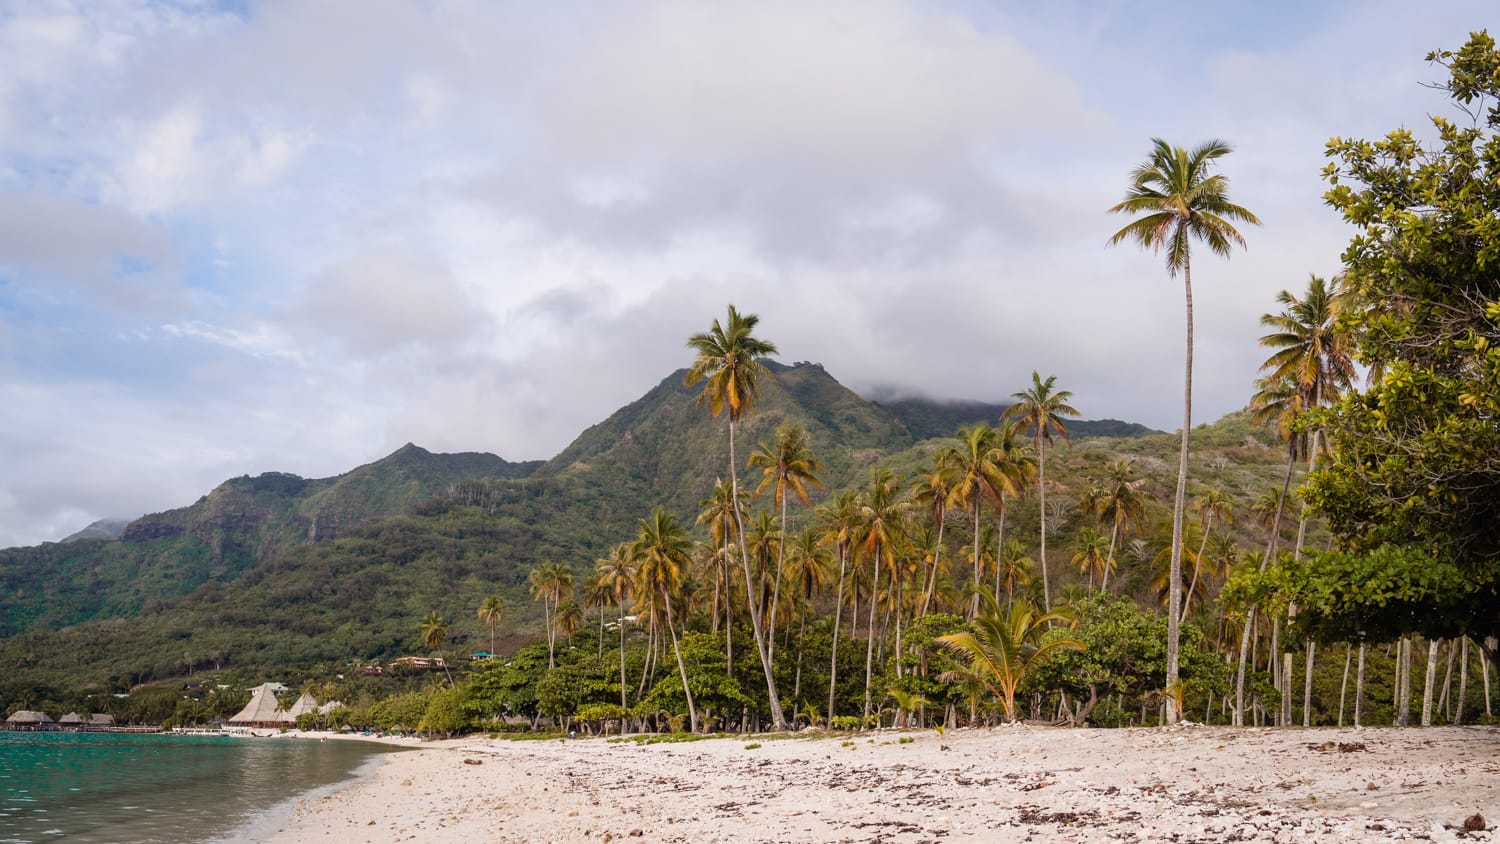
839 518
1042 410
930 492
1005 647
1091 554
1178 200
1015 567
1213 503
492 612
978 472
728 365
723 514
552 584
660 552
807 573
616 574
434 631
1119 501
1314 356
788 466
882 515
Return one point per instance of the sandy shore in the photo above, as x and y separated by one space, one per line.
1008 784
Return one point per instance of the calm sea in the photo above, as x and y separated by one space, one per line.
98 787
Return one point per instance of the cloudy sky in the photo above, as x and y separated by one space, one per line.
239 237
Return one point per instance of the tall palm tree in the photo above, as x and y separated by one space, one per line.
787 466
616 574
728 365
1015 567
930 492
977 473
882 516
1213 503
1091 554
723 514
660 552
492 612
1313 355
434 631
1176 199
1118 501
807 573
552 584
1042 409
839 519
1005 647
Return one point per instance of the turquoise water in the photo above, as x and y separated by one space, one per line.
98 787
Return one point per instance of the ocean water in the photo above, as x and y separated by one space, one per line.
105 787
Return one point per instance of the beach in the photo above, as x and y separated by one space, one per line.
1016 783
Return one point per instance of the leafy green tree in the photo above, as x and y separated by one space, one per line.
1416 458
1041 409
1178 199
445 713
728 365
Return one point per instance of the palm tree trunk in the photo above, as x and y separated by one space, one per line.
551 633
838 613
1359 686
999 547
776 586
1344 684
1239 683
1447 685
974 602
936 558
1403 687
681 669
1307 684
870 640
1463 680
1432 652
778 719
623 705
1114 534
1041 487
1174 595
1208 526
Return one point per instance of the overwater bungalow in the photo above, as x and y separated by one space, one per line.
26 719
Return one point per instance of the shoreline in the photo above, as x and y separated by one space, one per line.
1000 784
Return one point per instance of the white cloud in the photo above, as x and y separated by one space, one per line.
325 229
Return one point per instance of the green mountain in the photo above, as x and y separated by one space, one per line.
926 419
245 521
279 573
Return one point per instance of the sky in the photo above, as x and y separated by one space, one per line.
239 237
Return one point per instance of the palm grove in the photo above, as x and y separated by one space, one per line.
914 597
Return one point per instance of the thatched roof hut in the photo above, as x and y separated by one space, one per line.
261 711
26 719
72 719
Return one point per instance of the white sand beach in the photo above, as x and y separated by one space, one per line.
1019 783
